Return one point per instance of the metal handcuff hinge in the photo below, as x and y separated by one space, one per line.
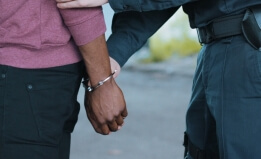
100 83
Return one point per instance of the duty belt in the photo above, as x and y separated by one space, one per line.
220 28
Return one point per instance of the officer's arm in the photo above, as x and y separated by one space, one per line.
124 5
131 30
144 5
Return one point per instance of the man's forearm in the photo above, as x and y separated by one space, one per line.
105 106
96 59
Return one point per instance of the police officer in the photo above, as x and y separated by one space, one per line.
223 118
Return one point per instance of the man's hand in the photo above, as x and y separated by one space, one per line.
102 101
64 4
106 107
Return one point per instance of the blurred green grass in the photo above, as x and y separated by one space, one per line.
174 38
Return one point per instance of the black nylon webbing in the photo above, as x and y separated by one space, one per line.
220 28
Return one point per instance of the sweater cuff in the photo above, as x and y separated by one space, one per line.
88 30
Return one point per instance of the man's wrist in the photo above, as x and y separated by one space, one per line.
100 83
96 59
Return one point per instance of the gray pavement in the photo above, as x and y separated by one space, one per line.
157 96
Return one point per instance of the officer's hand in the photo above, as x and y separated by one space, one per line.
64 4
115 66
106 107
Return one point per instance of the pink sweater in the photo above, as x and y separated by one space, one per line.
35 34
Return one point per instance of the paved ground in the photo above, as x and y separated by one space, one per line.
157 96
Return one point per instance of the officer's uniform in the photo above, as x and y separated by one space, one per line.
223 118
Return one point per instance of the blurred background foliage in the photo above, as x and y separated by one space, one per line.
175 38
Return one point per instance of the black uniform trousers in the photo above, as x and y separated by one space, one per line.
225 108
38 111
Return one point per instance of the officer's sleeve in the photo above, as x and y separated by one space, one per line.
131 30
145 5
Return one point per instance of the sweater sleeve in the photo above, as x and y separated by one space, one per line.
84 24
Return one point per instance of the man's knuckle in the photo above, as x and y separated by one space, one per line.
101 121
116 113
109 118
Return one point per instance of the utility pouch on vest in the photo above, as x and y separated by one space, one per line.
251 26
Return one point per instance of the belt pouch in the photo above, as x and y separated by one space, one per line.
251 26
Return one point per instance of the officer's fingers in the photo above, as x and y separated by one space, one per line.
61 1
69 4
115 66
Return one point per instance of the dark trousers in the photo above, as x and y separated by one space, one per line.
224 115
38 111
